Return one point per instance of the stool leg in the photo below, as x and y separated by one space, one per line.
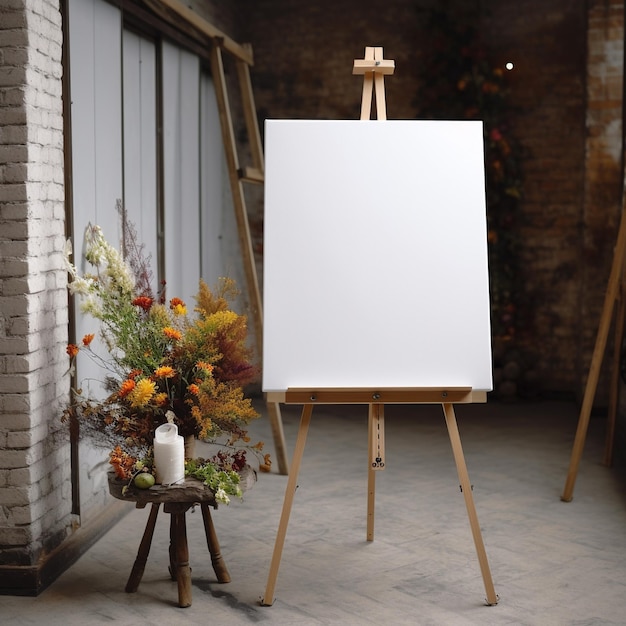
219 566
172 548
142 554
181 551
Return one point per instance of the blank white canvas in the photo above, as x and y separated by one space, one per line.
375 255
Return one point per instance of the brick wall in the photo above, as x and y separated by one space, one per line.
548 89
34 458
603 168
304 55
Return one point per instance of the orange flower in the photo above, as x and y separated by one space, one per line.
203 365
165 372
144 302
126 387
194 389
122 463
266 466
87 339
72 350
172 333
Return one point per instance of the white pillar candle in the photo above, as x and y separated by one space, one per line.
169 455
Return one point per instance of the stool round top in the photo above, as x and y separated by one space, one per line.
190 491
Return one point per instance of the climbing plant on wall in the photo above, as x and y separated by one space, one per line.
459 80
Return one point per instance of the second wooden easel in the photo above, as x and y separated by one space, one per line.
374 68
614 297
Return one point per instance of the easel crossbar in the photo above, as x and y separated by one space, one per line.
384 395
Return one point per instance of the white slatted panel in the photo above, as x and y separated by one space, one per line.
96 84
140 142
211 184
181 155
95 37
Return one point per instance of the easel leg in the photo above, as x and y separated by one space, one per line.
376 459
618 339
617 268
290 492
276 422
142 554
371 498
366 98
461 467
219 567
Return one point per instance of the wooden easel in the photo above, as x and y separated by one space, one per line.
615 294
374 67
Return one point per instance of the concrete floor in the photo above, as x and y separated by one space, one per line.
552 563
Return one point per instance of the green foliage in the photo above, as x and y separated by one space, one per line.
222 482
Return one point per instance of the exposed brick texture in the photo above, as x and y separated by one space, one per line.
35 505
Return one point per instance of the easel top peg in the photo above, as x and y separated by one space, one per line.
373 62
373 69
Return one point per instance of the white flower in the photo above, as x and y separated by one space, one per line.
83 285
92 306
95 245
221 496
67 253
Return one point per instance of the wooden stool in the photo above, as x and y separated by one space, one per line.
176 500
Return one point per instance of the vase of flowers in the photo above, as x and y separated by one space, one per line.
163 364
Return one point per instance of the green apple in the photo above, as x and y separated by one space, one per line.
144 480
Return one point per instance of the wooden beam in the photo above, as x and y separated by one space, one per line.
249 111
232 160
242 52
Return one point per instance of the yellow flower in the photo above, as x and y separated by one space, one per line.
161 399
178 306
165 372
142 393
222 319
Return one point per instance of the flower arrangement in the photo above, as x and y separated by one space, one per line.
162 364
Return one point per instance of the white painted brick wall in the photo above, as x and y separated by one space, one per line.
34 383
